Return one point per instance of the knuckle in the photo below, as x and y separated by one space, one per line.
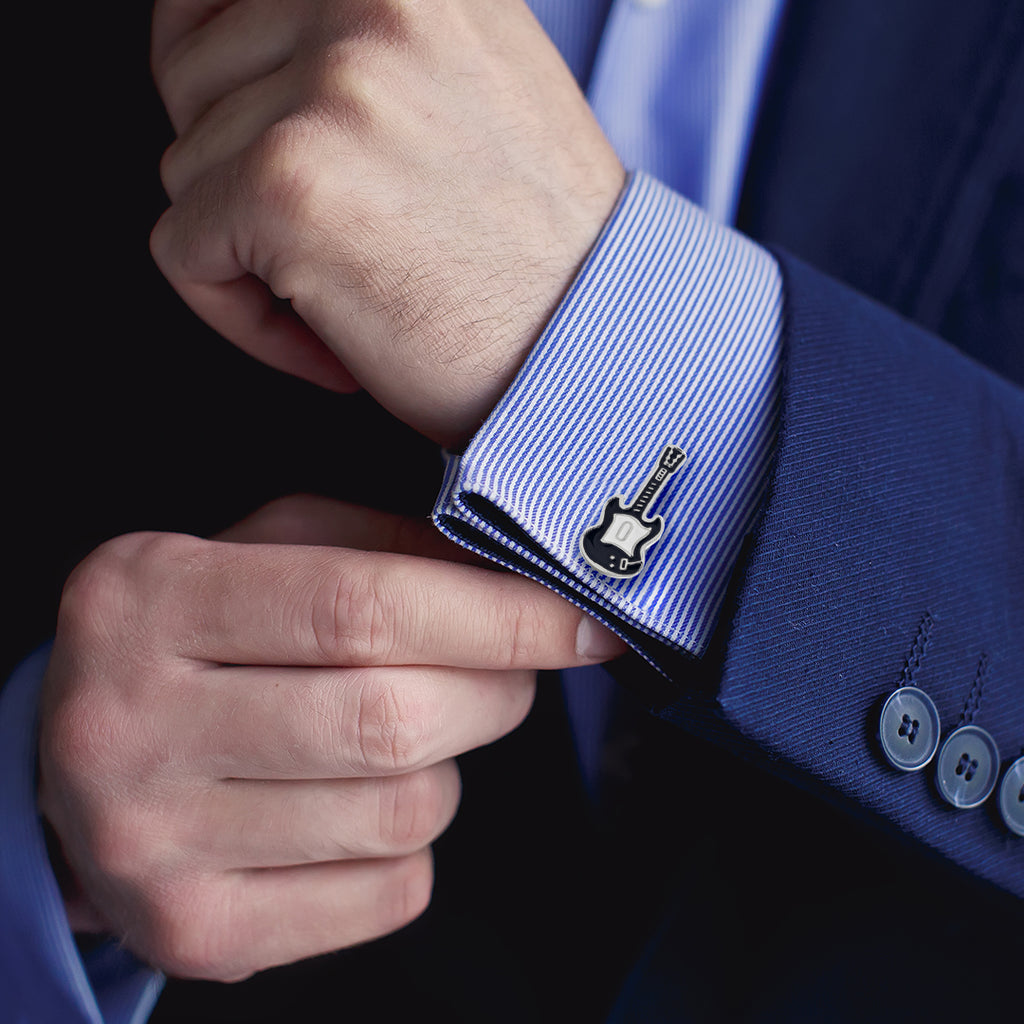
162 241
177 239
388 22
75 744
97 710
175 80
144 549
281 168
345 94
154 551
521 689
284 178
106 592
524 631
162 68
414 810
119 849
340 76
181 950
351 622
393 725
97 586
409 893
185 936
171 170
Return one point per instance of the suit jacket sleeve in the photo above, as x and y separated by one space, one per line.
891 549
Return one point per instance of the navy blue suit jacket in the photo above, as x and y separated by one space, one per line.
892 158
889 157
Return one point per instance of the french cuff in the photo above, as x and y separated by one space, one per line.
626 462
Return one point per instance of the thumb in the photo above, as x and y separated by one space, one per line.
314 520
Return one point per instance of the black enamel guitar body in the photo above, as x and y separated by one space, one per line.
617 545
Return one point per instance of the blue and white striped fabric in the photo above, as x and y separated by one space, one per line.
668 336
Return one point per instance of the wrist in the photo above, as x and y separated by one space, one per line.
488 359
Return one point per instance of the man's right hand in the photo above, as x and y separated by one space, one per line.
421 183
247 748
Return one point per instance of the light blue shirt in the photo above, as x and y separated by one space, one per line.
670 335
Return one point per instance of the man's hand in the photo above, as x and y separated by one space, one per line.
421 179
246 749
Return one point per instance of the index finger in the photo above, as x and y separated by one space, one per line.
270 604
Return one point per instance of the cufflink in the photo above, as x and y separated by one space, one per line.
618 544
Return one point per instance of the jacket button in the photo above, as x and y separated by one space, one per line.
1011 797
968 767
909 729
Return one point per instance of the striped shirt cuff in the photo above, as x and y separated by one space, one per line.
668 338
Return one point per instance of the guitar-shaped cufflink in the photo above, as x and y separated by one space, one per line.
617 545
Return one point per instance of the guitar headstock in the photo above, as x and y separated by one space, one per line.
671 458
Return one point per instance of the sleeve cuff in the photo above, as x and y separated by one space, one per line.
670 336
48 978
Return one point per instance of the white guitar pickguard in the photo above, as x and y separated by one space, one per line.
625 532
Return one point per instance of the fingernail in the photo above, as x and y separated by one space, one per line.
595 642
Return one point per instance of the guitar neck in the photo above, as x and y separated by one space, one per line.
650 489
